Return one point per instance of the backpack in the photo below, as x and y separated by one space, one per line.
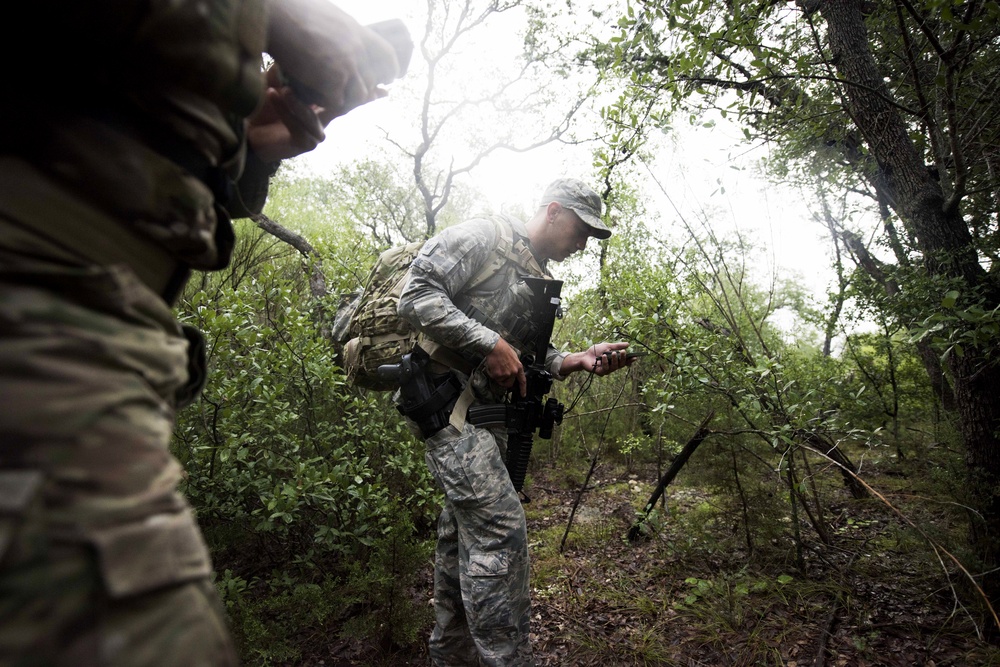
376 335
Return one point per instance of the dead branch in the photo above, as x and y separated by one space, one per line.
317 281
635 532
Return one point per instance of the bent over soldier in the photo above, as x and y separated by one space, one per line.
481 590
121 142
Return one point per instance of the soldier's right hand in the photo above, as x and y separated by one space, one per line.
505 368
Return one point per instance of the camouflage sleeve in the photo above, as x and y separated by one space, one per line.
444 266
553 362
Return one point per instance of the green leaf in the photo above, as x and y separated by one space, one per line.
950 298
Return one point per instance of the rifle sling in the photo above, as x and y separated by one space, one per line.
458 412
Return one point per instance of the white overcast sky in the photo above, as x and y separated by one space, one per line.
690 171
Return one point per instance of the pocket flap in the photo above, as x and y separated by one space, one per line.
17 489
487 565
163 549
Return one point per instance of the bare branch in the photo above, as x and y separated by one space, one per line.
317 281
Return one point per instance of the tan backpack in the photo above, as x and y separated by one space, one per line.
377 335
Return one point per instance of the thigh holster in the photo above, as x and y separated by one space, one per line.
426 398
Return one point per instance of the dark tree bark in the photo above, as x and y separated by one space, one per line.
946 245
317 281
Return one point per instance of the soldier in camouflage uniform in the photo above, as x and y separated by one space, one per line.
481 593
122 132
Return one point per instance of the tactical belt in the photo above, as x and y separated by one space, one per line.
435 413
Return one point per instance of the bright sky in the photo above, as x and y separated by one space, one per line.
692 173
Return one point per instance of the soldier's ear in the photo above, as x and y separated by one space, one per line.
551 211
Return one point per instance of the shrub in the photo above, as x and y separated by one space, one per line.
298 479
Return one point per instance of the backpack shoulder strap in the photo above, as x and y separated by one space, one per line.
510 248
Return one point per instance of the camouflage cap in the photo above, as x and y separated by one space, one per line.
577 197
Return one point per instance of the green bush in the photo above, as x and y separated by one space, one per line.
297 478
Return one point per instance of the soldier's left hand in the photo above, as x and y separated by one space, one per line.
609 357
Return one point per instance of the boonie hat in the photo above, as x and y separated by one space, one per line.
577 197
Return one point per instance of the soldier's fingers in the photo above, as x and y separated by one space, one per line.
606 362
300 118
274 77
612 360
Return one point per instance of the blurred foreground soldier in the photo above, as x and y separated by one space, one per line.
124 154
481 593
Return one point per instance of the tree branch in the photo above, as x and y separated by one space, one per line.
317 281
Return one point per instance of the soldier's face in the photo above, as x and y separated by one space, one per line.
571 234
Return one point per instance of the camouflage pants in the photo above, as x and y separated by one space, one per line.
101 562
481 594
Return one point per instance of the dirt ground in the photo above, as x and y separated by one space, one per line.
675 599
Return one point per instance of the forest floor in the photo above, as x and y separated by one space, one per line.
697 592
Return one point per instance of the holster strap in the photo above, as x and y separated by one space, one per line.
462 404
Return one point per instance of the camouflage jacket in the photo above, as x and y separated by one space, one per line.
123 108
435 301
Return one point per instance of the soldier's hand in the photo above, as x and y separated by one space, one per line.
285 126
600 359
609 357
505 368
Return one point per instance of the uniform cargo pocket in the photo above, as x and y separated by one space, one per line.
162 550
489 590
352 358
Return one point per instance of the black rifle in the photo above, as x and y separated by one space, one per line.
522 415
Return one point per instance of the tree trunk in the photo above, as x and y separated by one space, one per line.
977 394
848 471
946 245
317 281
830 329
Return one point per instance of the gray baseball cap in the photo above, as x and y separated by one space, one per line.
577 197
